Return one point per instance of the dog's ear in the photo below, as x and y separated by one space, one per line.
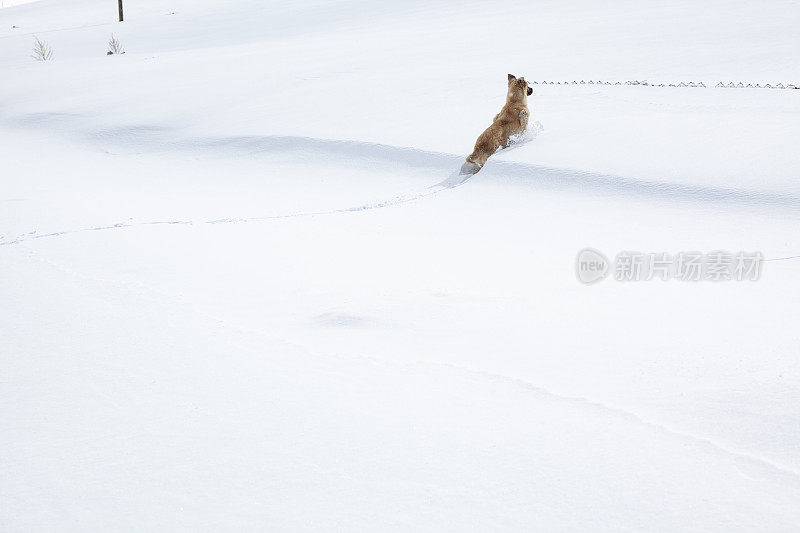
511 78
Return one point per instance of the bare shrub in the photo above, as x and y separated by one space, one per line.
42 51
114 46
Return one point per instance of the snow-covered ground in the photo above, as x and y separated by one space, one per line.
10 3
236 295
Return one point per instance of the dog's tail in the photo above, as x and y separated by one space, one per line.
469 168
473 165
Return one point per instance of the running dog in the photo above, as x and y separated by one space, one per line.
511 120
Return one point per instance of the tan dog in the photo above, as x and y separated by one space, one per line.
511 120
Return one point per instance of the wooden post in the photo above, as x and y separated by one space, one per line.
121 18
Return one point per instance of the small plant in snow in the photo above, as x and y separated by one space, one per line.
114 46
42 51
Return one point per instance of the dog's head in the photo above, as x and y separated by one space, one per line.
518 88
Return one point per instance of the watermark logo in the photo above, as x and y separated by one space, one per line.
592 266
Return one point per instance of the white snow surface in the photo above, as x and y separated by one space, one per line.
242 289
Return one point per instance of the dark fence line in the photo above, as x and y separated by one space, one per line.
730 85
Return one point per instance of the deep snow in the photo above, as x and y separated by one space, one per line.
232 300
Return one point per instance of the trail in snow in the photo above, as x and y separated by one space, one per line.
584 182
455 180
771 465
